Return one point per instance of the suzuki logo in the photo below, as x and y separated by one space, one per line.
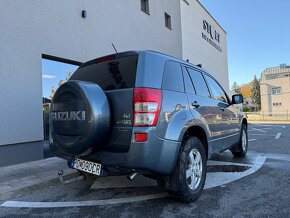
68 116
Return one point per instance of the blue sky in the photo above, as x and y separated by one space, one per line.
258 34
52 73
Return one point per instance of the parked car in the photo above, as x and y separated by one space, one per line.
146 113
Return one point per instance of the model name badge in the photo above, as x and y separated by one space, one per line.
68 116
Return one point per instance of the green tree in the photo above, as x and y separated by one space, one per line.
255 92
236 88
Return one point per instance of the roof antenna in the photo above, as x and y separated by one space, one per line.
199 65
114 48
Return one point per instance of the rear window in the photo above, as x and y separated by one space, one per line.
109 75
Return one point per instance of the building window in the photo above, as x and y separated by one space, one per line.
277 104
272 76
145 6
168 21
276 91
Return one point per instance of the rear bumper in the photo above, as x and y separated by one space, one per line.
156 156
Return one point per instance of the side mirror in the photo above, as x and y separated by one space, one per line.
237 99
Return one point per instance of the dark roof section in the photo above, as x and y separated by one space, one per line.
130 53
114 56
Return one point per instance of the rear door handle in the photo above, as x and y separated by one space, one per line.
195 104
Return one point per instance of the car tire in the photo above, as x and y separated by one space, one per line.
187 181
240 150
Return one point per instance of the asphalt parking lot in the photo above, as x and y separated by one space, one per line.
255 186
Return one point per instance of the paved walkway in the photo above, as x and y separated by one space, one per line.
16 177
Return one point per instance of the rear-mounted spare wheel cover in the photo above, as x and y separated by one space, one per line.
80 117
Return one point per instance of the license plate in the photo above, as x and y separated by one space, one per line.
87 166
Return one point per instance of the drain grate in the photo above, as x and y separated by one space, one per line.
227 168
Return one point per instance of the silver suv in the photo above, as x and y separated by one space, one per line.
146 113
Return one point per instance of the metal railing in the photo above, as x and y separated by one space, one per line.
268 116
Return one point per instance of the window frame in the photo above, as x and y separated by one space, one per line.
146 10
168 22
276 88
188 90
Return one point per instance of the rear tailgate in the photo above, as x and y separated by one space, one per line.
116 75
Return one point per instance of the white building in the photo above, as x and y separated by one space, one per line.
81 30
275 90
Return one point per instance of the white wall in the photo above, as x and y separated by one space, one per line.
198 50
31 28
268 99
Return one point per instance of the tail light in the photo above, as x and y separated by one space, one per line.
147 104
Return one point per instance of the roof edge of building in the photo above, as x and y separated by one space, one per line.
277 68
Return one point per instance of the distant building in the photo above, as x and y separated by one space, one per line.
249 103
275 89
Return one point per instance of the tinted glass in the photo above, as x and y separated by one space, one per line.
198 83
187 83
216 89
145 6
110 75
172 77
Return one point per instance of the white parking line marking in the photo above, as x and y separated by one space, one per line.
264 125
213 180
262 134
259 130
221 163
252 140
82 203
218 179
278 135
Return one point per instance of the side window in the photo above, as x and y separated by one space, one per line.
172 77
198 83
187 82
217 91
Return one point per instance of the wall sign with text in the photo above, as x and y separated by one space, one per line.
211 35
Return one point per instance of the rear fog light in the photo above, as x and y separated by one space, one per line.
140 137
